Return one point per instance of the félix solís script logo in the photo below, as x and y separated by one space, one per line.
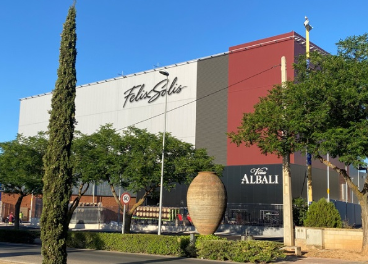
139 92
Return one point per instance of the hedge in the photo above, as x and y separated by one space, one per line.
206 247
18 236
132 243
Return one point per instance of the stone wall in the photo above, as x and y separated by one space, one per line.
329 238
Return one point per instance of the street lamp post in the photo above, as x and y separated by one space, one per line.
163 154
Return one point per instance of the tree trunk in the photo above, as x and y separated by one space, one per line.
364 207
17 211
129 214
361 195
128 221
76 202
287 202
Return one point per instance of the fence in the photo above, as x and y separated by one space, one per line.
235 214
254 214
349 212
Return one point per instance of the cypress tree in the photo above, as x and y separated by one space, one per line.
58 172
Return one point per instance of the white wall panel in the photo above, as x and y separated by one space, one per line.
33 114
152 113
114 101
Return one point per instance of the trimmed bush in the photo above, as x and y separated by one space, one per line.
240 251
17 236
207 247
323 214
132 243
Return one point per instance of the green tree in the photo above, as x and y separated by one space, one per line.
323 214
58 178
83 169
21 167
269 128
328 108
324 111
133 161
143 164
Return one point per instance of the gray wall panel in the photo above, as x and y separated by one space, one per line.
211 121
319 181
251 192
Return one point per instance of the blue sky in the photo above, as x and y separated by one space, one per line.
118 36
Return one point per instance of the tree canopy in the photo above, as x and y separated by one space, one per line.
21 167
133 161
323 110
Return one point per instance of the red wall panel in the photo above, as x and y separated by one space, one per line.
250 77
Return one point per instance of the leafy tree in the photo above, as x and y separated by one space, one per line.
21 167
324 111
143 164
58 178
133 161
83 172
328 108
323 214
270 129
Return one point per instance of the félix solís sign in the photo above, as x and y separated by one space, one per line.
138 92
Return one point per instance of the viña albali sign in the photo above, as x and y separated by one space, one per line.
138 92
259 176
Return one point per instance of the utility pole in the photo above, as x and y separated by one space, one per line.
286 178
309 156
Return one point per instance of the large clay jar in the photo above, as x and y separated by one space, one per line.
206 200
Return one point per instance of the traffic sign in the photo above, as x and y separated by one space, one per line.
125 198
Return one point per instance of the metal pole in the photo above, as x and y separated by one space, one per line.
119 207
358 180
123 225
30 214
346 189
163 154
352 197
328 179
93 193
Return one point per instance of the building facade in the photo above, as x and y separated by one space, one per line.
206 99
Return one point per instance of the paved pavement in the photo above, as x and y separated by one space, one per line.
30 254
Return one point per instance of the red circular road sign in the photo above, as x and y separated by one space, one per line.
125 198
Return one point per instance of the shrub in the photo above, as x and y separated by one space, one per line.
17 236
323 214
300 208
132 243
240 251
207 247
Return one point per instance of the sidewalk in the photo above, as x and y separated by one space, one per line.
37 258
32 258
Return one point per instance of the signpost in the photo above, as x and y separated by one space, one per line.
125 198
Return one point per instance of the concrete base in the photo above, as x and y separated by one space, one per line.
297 250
